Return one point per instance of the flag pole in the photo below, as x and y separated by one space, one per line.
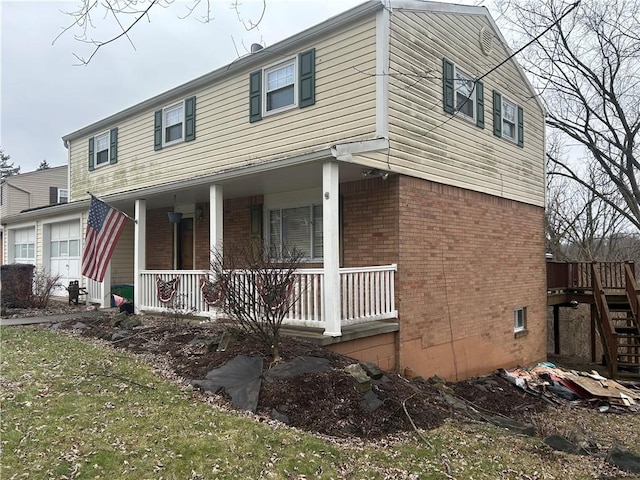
110 206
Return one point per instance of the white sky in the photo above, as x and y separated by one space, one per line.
44 95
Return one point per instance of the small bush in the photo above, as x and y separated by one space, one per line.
43 285
17 285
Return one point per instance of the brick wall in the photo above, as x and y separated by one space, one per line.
369 222
466 261
159 240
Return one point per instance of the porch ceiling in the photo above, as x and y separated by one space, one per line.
297 177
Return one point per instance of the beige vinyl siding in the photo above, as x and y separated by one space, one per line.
427 142
344 111
31 189
122 258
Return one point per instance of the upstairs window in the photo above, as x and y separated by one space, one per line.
280 83
283 86
173 117
462 95
175 123
63 195
465 94
103 149
508 119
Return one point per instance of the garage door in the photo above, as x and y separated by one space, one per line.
64 250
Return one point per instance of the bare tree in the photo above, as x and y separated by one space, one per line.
587 71
255 288
121 16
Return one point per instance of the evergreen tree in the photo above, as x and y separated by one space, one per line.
7 169
43 165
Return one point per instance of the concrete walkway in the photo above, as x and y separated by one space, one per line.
7 322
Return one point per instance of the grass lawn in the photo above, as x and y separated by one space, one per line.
74 409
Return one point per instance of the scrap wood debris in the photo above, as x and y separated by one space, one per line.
555 384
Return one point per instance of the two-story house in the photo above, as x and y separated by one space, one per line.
23 192
397 144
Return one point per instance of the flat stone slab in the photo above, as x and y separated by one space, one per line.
558 442
240 378
298 366
623 458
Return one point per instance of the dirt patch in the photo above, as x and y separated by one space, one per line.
327 403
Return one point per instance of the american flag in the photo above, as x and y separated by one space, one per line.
104 226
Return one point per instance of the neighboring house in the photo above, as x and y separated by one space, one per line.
23 192
416 191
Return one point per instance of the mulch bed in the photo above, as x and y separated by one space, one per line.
326 403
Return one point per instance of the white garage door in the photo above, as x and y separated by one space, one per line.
64 251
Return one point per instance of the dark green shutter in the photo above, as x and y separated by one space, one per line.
480 104
91 159
157 131
113 150
307 92
520 127
497 114
255 96
190 119
53 195
448 86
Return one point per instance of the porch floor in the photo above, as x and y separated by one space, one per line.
350 332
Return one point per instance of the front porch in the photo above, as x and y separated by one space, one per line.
367 294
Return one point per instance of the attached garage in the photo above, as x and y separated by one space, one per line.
63 241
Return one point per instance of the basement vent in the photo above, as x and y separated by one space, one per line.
486 41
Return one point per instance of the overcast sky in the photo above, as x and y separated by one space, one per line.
44 95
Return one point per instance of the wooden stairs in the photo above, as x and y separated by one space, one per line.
617 321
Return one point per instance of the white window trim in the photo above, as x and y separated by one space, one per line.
267 224
515 123
95 150
473 98
66 190
523 327
276 66
164 123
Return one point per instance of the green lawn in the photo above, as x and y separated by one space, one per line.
72 409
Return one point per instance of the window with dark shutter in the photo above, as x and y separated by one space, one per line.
113 153
448 86
255 96
307 82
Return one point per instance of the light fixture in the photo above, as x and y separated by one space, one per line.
174 217
374 172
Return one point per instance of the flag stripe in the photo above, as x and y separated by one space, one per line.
104 226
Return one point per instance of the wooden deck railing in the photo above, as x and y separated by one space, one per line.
579 275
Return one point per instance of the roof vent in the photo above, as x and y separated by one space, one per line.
256 47
486 41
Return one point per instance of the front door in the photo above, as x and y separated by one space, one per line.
185 244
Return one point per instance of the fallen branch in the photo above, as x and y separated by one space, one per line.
124 379
406 412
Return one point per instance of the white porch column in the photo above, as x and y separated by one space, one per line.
331 247
216 214
139 250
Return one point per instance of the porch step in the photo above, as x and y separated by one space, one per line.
349 332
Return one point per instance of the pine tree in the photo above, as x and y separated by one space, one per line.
43 165
7 169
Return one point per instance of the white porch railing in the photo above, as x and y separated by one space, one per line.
367 294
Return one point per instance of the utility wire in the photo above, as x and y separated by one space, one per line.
528 44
